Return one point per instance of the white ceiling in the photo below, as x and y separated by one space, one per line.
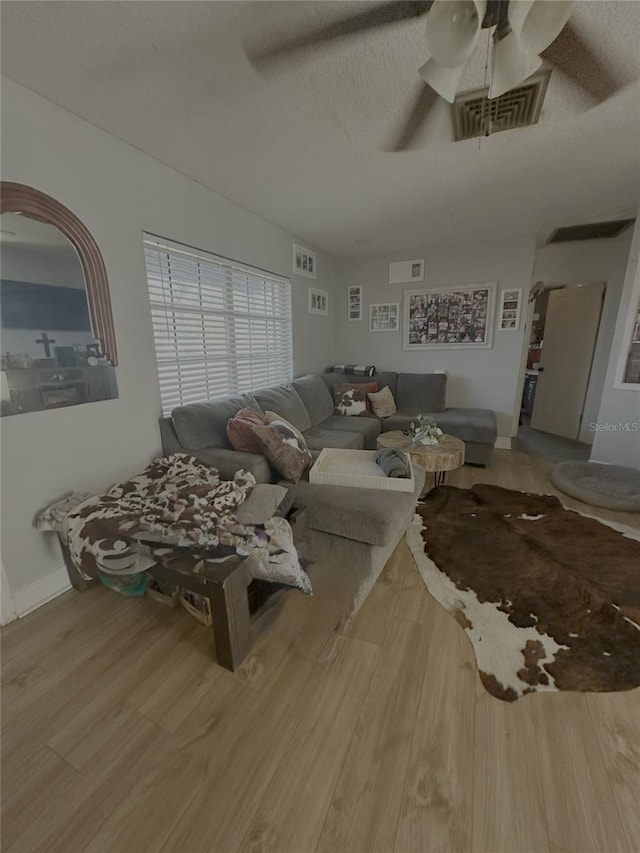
303 146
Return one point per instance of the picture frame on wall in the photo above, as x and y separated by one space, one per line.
354 303
452 317
304 261
384 317
401 272
510 305
318 301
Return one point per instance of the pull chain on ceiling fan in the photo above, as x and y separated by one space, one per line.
524 32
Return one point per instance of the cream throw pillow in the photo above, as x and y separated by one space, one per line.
382 402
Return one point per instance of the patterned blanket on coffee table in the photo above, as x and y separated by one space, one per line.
177 503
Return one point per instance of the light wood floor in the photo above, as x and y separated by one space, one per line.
120 734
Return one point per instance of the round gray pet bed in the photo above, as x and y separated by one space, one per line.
610 486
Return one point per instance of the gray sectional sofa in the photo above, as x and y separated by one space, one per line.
307 402
347 533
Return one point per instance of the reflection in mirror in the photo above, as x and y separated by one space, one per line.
49 355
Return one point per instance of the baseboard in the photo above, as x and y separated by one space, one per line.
503 442
36 594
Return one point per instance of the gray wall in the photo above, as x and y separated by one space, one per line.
620 405
587 263
118 192
488 378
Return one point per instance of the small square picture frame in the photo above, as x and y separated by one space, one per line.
318 301
304 261
354 303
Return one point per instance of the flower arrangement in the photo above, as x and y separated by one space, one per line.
425 431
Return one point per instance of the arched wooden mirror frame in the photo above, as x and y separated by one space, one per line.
19 198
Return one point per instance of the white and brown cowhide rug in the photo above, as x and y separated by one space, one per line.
549 598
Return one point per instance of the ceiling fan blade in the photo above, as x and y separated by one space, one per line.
571 55
380 16
420 109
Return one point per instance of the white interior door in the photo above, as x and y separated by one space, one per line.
570 332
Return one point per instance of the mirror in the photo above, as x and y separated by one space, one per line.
50 357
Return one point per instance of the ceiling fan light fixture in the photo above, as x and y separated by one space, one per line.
443 80
511 65
453 27
536 23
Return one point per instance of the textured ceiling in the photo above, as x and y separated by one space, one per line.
302 146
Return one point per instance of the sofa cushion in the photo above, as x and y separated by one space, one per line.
240 430
318 438
382 378
201 425
317 399
352 400
421 392
286 402
368 426
382 403
366 515
476 425
285 449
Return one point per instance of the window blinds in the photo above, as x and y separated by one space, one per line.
219 326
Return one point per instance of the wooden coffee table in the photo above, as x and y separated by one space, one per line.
437 458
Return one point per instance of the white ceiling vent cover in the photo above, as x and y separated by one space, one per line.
475 115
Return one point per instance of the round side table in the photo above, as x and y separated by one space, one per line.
437 458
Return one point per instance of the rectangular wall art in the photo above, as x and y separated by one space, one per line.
318 301
510 301
304 261
403 271
447 317
384 317
354 302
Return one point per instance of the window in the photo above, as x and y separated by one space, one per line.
219 326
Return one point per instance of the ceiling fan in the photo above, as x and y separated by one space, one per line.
524 33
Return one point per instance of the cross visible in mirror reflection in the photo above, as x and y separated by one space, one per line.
45 340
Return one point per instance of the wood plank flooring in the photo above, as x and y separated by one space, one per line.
120 735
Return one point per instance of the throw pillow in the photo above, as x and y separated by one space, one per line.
382 402
272 417
352 400
285 448
240 430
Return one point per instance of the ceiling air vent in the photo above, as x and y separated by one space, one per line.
475 115
591 231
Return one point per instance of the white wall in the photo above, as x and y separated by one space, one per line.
486 378
620 407
587 263
118 192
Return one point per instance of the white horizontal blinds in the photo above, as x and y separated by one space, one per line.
219 326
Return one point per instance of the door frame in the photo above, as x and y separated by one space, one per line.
8 608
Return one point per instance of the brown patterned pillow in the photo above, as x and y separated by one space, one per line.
240 430
352 399
285 448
